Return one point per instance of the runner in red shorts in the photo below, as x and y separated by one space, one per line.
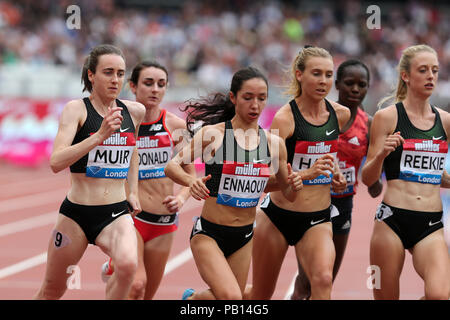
160 133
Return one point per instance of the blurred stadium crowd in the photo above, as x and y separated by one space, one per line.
203 42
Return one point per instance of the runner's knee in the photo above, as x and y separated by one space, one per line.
137 290
125 267
322 279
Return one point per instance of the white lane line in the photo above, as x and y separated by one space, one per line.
31 201
178 260
26 224
172 264
23 265
290 290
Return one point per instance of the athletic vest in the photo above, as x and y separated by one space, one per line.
353 145
421 158
310 142
155 147
111 158
238 176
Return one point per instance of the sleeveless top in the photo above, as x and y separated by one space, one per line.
155 147
238 176
353 145
422 156
310 142
111 158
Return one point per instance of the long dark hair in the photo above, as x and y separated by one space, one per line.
218 107
91 62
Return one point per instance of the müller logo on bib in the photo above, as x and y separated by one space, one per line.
111 158
308 152
423 160
154 154
242 184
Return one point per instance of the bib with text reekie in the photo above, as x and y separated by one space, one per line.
423 160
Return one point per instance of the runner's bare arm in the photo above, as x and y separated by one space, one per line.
137 112
288 181
382 143
64 153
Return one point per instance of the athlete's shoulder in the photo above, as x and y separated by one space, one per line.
136 108
74 107
272 137
339 108
284 109
385 118
386 113
444 115
211 130
175 121
442 112
134 105
75 103
284 115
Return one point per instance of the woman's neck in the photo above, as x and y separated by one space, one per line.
152 114
310 107
353 108
101 103
238 123
417 104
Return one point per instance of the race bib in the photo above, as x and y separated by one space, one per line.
383 212
350 176
111 159
154 154
242 184
423 160
308 152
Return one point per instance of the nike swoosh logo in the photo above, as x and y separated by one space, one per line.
258 161
116 214
438 138
316 222
328 133
433 223
248 235
123 130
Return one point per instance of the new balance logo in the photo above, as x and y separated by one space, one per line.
155 127
164 219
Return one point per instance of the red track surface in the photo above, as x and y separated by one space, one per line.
29 202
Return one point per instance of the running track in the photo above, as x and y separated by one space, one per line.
29 202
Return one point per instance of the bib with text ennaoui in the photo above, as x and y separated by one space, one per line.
242 184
